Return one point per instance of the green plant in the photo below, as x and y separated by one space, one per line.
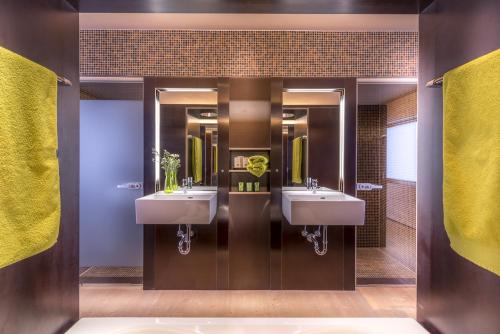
170 161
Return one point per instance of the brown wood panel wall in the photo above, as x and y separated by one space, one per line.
164 267
276 180
249 214
223 90
453 294
250 247
300 265
40 294
249 241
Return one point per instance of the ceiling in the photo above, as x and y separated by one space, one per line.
317 22
379 94
255 6
111 91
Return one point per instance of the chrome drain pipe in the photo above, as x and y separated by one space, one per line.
314 239
184 245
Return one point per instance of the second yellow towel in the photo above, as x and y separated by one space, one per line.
29 174
471 160
197 159
297 160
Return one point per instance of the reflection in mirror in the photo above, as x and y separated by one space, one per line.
295 146
201 161
186 124
312 137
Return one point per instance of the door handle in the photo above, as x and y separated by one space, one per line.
368 186
130 185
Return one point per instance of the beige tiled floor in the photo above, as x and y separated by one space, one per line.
377 263
115 300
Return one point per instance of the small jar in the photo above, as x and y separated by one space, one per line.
256 186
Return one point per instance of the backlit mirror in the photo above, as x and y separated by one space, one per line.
186 124
312 137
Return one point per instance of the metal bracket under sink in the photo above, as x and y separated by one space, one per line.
313 238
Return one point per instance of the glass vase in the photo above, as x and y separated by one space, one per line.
171 180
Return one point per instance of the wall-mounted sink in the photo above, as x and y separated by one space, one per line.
193 208
325 207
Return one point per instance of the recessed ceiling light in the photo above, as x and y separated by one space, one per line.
288 115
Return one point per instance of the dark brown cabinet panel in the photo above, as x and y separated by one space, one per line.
303 269
249 241
195 271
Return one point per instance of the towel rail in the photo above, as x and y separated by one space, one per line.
63 81
434 83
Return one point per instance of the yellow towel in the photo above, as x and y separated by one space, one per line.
216 159
297 160
471 160
29 172
197 159
257 165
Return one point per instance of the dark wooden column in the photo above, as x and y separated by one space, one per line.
276 180
223 189
164 267
302 269
350 134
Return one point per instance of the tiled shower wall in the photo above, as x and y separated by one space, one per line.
371 168
247 53
401 195
390 212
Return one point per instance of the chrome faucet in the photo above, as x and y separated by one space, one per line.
308 183
187 184
312 184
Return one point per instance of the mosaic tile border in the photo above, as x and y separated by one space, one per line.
187 53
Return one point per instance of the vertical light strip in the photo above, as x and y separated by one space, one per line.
157 139
342 139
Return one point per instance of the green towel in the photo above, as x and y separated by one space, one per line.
257 165
29 174
471 160
197 159
297 160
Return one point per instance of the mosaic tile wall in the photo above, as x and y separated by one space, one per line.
401 195
371 169
247 53
402 110
401 202
402 243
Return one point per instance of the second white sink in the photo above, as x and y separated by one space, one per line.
195 207
322 208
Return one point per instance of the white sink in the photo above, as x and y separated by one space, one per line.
325 207
195 207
